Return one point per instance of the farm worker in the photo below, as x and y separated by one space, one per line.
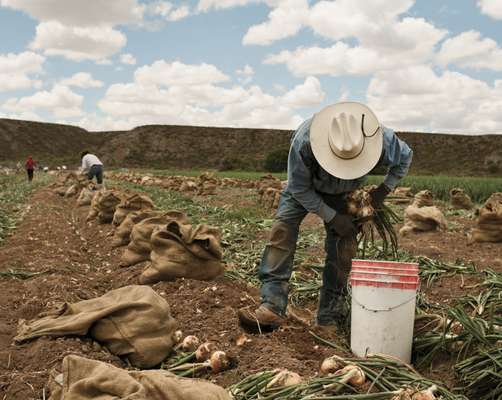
92 166
330 156
30 167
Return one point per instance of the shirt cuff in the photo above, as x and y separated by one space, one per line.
326 212
391 181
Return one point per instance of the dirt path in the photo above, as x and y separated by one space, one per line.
75 262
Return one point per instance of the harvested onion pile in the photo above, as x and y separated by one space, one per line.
372 222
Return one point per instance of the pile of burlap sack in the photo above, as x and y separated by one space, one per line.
69 183
489 222
460 200
175 248
269 189
84 379
422 215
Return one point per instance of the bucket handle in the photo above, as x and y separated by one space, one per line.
383 309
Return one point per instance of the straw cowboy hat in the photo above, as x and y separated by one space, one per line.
346 139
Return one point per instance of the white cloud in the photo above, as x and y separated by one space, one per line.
18 71
418 98
127 58
76 43
285 20
60 101
492 8
179 13
245 75
168 11
177 93
206 5
83 80
383 39
90 13
307 94
176 73
468 49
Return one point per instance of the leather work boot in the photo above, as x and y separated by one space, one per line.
261 319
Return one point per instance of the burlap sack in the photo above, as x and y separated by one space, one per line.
460 200
132 203
133 322
86 195
424 198
72 190
271 197
207 184
84 379
182 251
489 224
139 247
61 190
422 219
103 206
122 235
94 210
188 186
401 195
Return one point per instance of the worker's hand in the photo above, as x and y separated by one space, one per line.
378 196
342 225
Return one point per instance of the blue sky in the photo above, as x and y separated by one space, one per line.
426 65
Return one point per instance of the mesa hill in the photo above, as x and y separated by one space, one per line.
170 146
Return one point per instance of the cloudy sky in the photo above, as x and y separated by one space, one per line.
427 65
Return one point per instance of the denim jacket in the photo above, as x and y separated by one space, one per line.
308 181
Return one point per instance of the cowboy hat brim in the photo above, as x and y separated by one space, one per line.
342 168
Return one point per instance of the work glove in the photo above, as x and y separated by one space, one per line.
378 196
342 225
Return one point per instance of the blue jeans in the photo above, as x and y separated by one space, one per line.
277 261
96 171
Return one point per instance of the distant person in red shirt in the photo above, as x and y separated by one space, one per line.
30 166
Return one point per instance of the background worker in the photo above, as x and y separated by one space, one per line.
330 156
92 167
30 167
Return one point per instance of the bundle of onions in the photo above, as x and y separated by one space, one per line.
190 343
330 365
412 394
370 220
285 378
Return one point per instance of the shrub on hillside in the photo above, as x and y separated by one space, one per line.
277 160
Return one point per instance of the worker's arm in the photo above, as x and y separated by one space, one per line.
300 182
397 155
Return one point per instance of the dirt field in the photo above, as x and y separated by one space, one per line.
74 261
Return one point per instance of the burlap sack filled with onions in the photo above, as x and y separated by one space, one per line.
424 198
139 247
183 251
103 206
122 235
84 379
489 223
135 202
132 322
207 184
86 195
460 200
423 219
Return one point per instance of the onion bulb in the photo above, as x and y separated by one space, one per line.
352 374
329 366
427 394
177 336
204 351
219 361
285 378
190 343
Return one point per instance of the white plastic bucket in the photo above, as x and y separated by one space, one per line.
383 307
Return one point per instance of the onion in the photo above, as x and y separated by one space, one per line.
190 343
219 361
427 394
352 374
285 378
329 366
177 335
204 351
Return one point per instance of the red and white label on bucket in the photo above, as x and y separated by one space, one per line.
386 274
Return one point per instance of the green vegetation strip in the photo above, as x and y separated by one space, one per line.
14 190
